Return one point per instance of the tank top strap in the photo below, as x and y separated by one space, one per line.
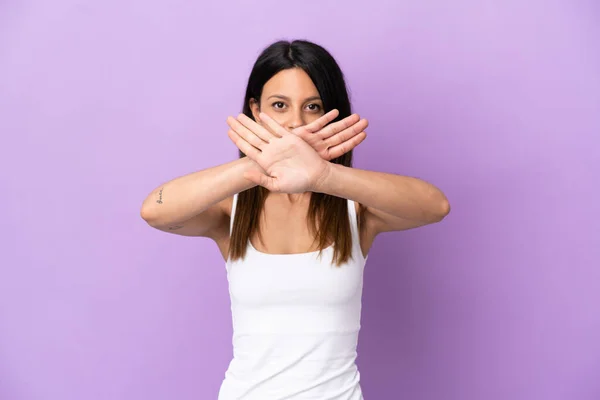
233 207
353 221
354 228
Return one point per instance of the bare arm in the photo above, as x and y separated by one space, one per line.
197 204
391 202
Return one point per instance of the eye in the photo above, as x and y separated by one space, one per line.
278 105
314 107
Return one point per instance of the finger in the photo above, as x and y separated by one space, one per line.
323 120
246 133
273 126
261 179
346 146
255 127
252 152
347 133
339 126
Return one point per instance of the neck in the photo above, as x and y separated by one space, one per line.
292 198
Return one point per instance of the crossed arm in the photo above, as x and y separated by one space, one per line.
392 202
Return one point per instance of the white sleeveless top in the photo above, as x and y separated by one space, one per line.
295 324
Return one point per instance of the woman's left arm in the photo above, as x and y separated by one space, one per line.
392 202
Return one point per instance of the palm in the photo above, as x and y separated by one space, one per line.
294 162
286 163
291 165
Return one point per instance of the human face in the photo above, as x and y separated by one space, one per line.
291 98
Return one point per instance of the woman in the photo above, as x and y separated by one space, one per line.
294 223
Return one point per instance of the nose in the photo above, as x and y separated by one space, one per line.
295 121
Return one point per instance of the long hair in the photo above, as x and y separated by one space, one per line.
331 212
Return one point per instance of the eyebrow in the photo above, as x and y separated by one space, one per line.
280 96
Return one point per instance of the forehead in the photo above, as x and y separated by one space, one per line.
293 83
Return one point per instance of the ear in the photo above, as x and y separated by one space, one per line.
255 109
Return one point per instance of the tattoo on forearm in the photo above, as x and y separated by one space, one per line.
174 228
159 201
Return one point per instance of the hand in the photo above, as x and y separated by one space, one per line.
334 140
289 164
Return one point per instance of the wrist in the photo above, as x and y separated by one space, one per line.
246 165
324 179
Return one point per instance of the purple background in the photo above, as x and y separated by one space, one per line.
496 102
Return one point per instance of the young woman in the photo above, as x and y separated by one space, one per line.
294 222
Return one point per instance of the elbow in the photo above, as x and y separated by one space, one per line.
438 208
443 210
147 214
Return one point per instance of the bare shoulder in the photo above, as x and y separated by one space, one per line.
367 232
222 216
226 205
221 234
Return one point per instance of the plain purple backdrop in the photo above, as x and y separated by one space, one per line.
495 102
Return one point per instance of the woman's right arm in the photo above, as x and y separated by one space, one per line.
198 204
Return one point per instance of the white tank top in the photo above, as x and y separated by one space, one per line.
295 324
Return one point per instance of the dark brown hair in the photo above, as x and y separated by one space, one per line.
331 212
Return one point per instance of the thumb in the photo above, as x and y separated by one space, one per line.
260 179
